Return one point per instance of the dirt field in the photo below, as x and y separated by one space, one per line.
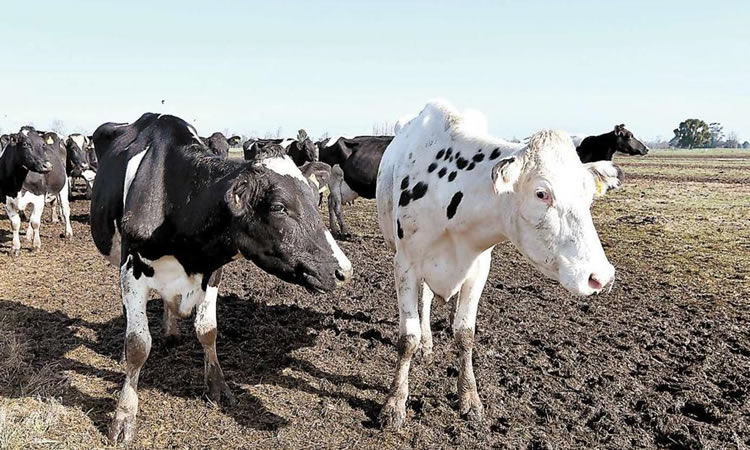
661 361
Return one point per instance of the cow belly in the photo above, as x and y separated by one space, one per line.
175 286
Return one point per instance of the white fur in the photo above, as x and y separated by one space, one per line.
448 256
131 171
344 264
283 166
78 139
286 142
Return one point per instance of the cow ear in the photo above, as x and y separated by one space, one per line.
13 140
505 173
606 176
241 196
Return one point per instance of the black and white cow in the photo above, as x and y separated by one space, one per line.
604 146
48 180
21 153
78 153
354 172
447 195
235 141
301 150
4 140
318 174
170 215
218 144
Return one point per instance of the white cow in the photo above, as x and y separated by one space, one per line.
447 193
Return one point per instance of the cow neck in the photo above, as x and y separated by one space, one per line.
489 222
12 172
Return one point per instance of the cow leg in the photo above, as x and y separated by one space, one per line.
65 209
137 349
205 328
332 214
469 404
170 323
35 221
54 211
424 321
393 413
11 208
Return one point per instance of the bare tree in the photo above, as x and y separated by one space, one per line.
325 135
58 126
384 128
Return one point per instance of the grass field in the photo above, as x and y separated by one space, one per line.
663 360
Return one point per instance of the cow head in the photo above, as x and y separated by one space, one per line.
29 148
626 142
276 224
77 154
551 224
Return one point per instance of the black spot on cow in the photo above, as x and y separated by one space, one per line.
471 166
461 163
441 172
418 191
451 160
453 205
405 198
479 157
140 267
415 193
440 154
399 230
495 153
431 168
458 154
405 182
452 176
448 153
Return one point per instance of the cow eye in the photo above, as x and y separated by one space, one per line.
543 195
277 207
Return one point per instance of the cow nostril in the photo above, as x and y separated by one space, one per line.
594 282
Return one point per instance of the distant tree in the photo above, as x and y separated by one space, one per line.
717 134
324 136
732 141
692 133
383 129
58 126
746 145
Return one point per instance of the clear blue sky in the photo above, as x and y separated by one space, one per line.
338 67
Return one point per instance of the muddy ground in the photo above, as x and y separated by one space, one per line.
663 360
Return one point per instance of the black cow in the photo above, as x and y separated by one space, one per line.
218 144
49 179
170 215
604 146
354 172
4 140
302 150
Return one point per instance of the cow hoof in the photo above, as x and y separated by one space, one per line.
470 408
426 351
221 395
122 425
392 416
15 253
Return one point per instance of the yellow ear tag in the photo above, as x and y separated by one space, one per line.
49 140
601 187
237 199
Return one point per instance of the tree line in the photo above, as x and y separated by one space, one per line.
696 133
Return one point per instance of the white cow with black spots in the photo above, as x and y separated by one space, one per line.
447 193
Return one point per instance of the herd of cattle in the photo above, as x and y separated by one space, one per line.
170 208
